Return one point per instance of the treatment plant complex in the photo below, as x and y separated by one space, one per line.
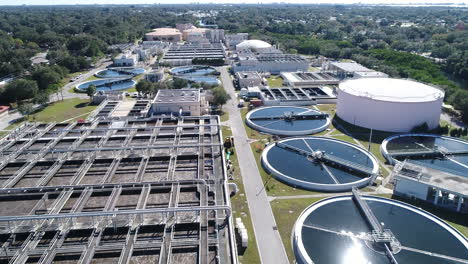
210 147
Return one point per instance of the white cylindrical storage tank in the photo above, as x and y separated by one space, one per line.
388 104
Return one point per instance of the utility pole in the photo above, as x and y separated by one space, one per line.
370 139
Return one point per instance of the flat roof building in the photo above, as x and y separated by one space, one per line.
303 79
297 96
126 60
232 40
248 79
183 54
180 102
351 70
438 187
164 34
274 63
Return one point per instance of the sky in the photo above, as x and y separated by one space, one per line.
87 2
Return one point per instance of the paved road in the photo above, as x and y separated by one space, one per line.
9 119
68 86
269 242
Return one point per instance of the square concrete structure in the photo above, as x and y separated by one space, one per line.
248 79
185 102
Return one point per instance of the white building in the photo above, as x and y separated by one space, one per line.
248 79
308 79
255 46
126 60
186 102
270 62
345 69
387 104
232 40
440 188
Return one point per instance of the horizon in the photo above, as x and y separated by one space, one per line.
227 2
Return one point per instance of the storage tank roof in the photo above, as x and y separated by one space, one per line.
393 90
253 44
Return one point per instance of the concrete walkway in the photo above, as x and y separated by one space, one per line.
269 242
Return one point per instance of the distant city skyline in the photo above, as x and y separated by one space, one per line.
128 2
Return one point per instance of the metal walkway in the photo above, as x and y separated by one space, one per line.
325 157
380 236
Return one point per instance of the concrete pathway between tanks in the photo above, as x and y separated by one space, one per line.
269 242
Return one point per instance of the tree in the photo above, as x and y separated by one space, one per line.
220 96
20 90
91 90
42 98
179 83
46 76
25 109
144 87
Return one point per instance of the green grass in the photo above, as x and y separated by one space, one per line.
240 208
274 187
286 213
224 117
60 111
313 69
251 133
275 81
131 90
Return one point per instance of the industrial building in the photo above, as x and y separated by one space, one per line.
396 105
307 79
164 34
126 60
430 168
232 40
296 96
248 79
116 191
273 63
179 55
180 102
149 49
352 70
443 189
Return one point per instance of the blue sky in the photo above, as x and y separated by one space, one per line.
87 2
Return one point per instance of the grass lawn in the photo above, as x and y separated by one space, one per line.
274 187
286 213
60 111
275 81
251 133
241 209
224 117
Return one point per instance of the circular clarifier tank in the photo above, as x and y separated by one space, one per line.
335 230
108 84
319 163
287 120
119 72
442 153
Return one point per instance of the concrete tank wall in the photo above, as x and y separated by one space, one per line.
386 115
